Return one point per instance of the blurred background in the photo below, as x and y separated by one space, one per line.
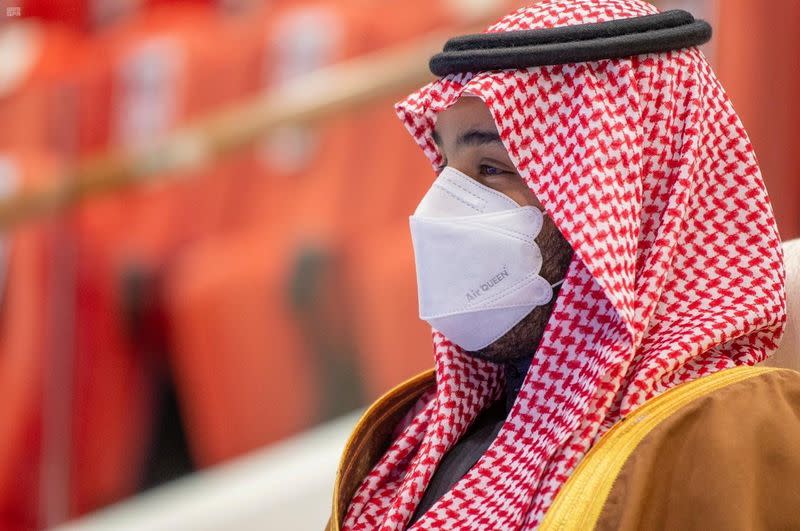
212 307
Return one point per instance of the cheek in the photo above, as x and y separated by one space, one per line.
545 237
517 190
556 251
550 240
520 197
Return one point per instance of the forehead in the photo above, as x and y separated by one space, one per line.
469 112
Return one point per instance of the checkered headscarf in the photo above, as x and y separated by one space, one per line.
647 171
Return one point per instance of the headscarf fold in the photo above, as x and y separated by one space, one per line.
677 273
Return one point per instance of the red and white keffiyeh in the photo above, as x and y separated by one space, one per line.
647 171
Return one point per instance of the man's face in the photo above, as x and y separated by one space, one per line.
468 141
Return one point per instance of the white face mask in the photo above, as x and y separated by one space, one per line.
477 260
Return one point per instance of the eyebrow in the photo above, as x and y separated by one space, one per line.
472 137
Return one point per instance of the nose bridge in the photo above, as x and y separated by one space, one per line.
473 193
463 165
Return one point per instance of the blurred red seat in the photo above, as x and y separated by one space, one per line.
29 344
151 73
246 373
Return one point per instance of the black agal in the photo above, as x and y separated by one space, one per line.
661 32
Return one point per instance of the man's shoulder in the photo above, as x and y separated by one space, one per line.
371 437
707 455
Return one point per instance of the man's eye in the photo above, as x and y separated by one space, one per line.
485 169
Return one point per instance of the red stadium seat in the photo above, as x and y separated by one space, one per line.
157 70
27 336
234 328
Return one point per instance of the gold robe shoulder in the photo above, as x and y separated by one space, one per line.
721 452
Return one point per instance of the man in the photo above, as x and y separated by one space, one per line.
598 234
